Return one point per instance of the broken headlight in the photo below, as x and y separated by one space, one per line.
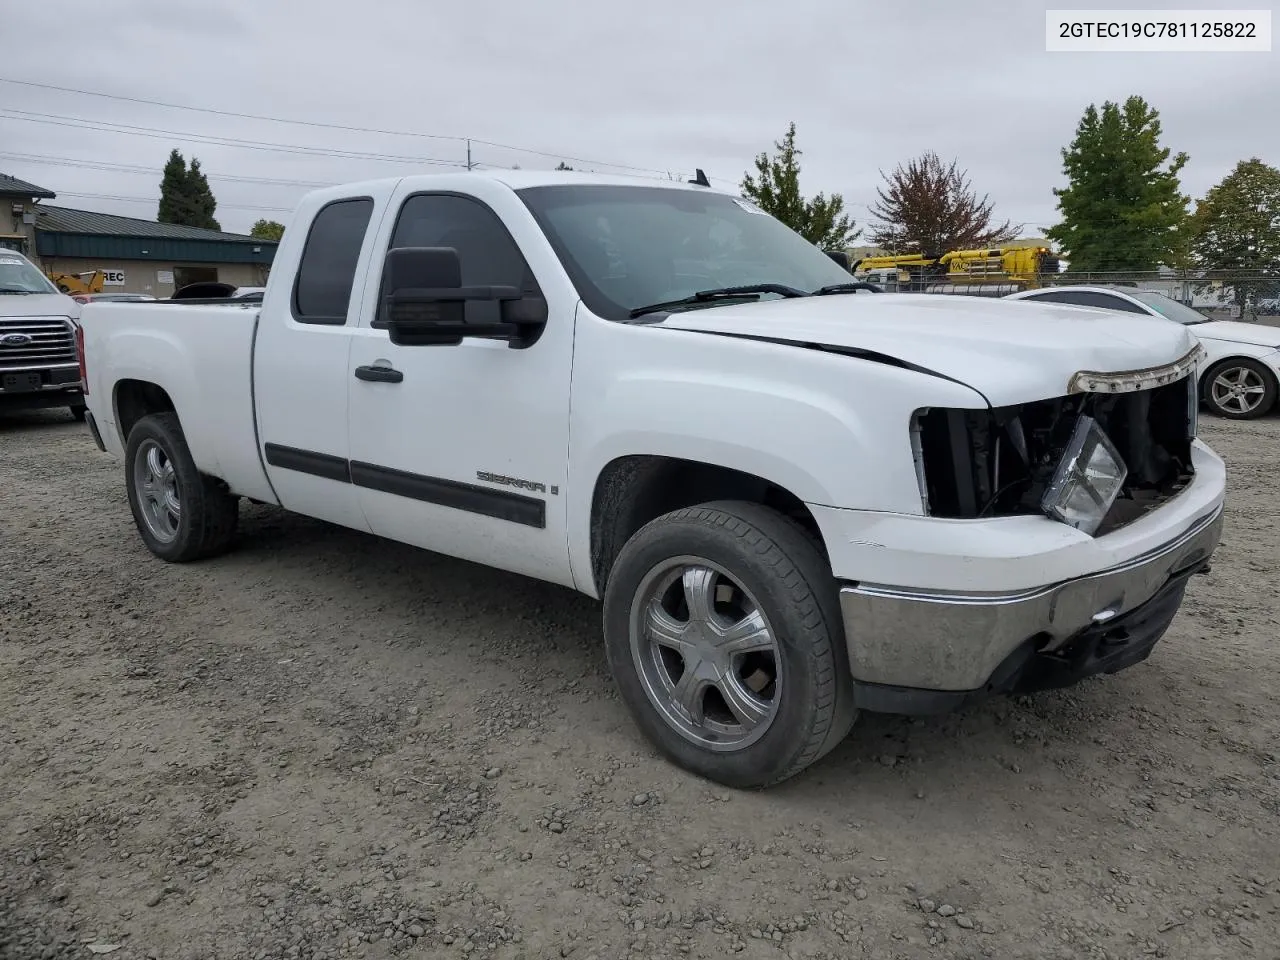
1088 479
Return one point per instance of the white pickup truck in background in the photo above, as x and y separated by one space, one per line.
795 500
38 363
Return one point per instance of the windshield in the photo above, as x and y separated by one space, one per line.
1167 307
626 247
18 275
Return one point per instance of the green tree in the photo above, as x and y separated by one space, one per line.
1123 208
174 207
201 197
776 190
267 230
1237 226
185 197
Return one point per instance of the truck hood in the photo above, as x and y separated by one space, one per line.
38 305
1009 351
1232 331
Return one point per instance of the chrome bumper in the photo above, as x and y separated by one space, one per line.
933 640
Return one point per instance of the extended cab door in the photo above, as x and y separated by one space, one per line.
300 359
463 449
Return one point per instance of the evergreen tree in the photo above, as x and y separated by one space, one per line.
776 190
563 166
202 200
1122 208
185 197
174 207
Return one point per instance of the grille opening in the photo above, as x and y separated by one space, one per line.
35 342
998 462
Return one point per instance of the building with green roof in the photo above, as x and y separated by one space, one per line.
134 255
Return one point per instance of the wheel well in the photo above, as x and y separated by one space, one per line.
631 491
135 399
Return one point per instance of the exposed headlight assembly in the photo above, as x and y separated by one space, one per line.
1193 405
1088 479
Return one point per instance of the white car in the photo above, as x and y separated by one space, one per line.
1240 372
795 504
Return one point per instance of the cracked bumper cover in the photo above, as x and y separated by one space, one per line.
957 646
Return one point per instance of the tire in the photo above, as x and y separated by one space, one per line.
1237 371
189 516
78 412
774 569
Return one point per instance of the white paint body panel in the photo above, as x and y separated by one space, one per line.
478 406
39 305
201 356
706 386
302 374
1256 341
1008 554
990 344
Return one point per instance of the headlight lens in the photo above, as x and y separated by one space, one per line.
1088 479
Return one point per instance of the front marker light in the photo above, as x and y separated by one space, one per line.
1088 479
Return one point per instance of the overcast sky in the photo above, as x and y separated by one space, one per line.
658 86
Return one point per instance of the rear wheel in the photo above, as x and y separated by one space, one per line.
1240 389
723 631
181 514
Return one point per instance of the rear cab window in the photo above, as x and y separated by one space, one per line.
327 271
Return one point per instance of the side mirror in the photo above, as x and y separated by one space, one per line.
425 302
840 257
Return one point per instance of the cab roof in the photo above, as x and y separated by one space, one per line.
520 179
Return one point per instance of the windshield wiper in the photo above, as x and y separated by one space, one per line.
756 290
852 287
15 290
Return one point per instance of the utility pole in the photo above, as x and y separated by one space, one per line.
468 154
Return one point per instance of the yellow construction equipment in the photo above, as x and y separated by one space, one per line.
89 282
994 271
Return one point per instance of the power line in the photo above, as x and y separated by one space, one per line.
84 123
151 171
156 133
329 126
221 205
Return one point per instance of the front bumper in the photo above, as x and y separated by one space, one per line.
955 647
37 388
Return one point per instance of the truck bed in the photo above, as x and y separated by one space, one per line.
202 356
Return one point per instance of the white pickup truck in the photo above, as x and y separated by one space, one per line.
796 500
38 363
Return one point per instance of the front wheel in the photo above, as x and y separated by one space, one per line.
181 514
723 630
1240 389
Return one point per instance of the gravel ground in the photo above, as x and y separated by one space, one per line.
325 745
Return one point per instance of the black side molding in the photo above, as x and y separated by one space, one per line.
499 504
306 461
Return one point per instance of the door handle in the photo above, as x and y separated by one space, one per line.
379 374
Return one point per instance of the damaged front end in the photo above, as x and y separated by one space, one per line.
1018 459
